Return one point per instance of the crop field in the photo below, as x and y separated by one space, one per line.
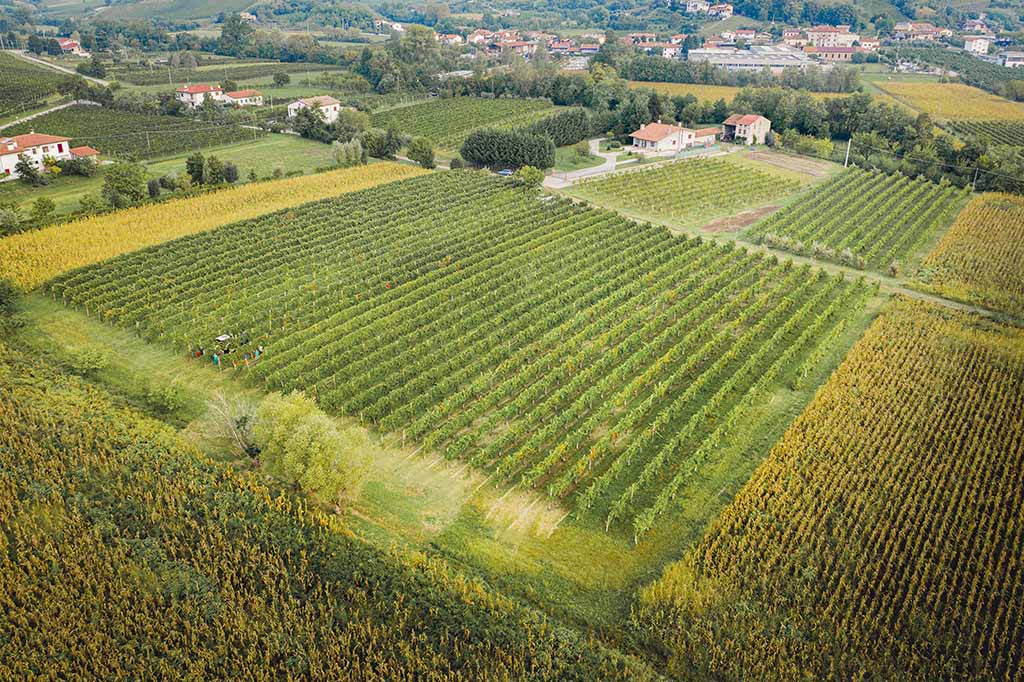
994 132
99 500
218 73
123 133
865 219
686 190
881 538
558 347
981 258
711 93
22 84
31 258
953 101
447 122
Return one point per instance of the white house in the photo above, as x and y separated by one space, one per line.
34 147
193 96
831 36
976 44
69 46
747 128
657 138
243 98
1012 59
697 6
327 105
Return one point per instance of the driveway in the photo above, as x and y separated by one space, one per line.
559 179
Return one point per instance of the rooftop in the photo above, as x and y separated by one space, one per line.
656 132
22 142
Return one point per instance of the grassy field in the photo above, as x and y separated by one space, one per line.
566 159
289 153
952 101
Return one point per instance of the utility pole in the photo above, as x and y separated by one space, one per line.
974 182
846 161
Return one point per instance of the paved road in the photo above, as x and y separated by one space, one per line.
564 179
42 62
25 119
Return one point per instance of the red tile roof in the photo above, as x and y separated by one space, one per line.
84 151
197 89
704 132
656 132
23 142
743 119
319 101
239 94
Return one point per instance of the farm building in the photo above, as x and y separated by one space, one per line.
244 98
69 46
660 137
327 105
977 44
705 136
746 128
34 147
832 36
193 96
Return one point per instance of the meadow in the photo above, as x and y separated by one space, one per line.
123 133
880 539
864 219
31 258
710 93
446 122
981 258
953 101
502 376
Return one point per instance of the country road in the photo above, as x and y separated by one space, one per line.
72 103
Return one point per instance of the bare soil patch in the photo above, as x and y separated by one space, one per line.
735 223
818 169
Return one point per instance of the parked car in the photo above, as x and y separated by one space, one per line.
505 173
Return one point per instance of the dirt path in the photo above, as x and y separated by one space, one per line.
25 119
42 62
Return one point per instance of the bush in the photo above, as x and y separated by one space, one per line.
214 173
230 172
529 176
456 163
42 212
348 154
508 149
84 167
153 186
421 151
165 398
124 184
87 361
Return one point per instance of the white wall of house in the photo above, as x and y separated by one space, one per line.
35 155
330 111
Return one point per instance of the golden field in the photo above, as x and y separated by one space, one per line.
710 92
953 101
31 258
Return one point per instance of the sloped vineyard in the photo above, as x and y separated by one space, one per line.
686 190
551 344
993 132
446 122
981 258
865 219
882 537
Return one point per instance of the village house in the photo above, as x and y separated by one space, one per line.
870 44
480 37
832 36
450 39
327 105
193 96
561 46
977 44
1012 59
677 39
746 128
919 30
833 54
386 25
243 98
640 38
975 26
722 11
69 46
587 49
658 138
35 147
705 137
794 37
520 47
697 6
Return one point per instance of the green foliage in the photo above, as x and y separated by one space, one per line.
508 149
24 83
565 127
347 154
87 361
10 217
281 79
28 173
124 184
381 144
165 398
213 174
43 212
529 176
195 166
447 121
421 151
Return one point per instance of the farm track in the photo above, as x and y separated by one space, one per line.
21 54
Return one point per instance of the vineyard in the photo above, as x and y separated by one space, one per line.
862 219
125 133
881 539
686 190
158 75
22 84
31 258
556 346
447 121
981 258
993 132
129 555
953 101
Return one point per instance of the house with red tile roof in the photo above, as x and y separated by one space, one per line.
243 98
84 152
193 96
328 106
658 138
746 128
69 46
34 147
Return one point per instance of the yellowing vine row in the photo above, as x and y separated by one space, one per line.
31 258
882 538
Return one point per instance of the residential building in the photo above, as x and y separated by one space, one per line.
697 6
977 44
745 34
589 48
640 38
519 47
327 105
833 54
660 137
33 147
976 26
561 46
450 39
243 98
705 137
677 39
832 36
919 30
85 152
722 11
480 37
870 44
795 37
69 46
193 96
746 128
247 17
774 57
386 25
669 50
1012 59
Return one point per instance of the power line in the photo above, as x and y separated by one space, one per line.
940 163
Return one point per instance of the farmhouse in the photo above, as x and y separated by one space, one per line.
1012 58
327 105
748 128
193 96
919 30
33 147
450 39
705 136
660 137
833 54
69 46
976 44
722 10
244 98
831 36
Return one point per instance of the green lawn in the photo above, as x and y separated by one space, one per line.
566 159
264 154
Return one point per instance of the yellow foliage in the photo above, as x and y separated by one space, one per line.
31 258
954 101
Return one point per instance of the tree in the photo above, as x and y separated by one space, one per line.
229 85
90 204
381 144
124 184
347 154
195 166
42 212
53 48
94 67
153 187
230 172
28 173
234 35
281 79
214 173
421 151
302 446
36 45
508 149
10 217
529 176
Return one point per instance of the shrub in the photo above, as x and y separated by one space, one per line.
456 163
230 172
529 176
421 151
124 184
153 186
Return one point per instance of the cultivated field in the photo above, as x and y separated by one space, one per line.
881 539
711 93
993 132
115 132
981 258
447 122
22 84
215 73
562 348
862 218
953 101
686 191
33 257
